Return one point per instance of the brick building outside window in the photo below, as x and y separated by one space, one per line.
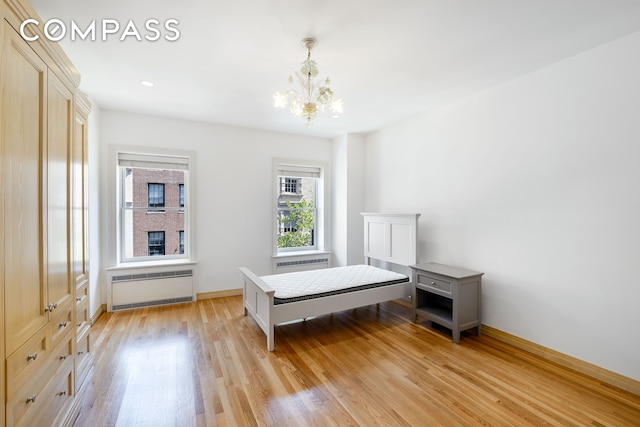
158 214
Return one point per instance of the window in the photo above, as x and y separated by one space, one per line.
156 195
298 207
290 185
153 198
156 243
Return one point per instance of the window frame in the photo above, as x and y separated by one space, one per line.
152 159
322 205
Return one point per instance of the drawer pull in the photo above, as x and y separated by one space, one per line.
79 324
433 284
63 357
63 324
31 357
50 307
31 399
62 393
80 353
78 299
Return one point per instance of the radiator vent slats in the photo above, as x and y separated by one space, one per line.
293 263
149 276
151 303
302 262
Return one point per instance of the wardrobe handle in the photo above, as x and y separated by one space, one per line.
31 399
31 357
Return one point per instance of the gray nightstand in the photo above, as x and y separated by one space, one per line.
448 296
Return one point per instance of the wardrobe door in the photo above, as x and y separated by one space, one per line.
79 240
60 131
2 177
24 77
79 195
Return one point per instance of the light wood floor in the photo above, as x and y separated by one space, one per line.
205 364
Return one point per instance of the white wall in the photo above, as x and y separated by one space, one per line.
355 198
340 203
536 183
348 199
232 188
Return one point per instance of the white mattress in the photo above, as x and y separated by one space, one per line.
299 285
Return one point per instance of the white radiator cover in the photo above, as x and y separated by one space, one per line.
150 289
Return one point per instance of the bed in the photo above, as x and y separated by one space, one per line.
280 298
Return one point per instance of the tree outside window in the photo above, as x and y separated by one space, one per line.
298 225
296 212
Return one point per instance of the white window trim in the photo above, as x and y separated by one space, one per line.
323 200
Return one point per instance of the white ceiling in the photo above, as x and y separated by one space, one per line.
387 59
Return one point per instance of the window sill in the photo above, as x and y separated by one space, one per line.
147 264
300 253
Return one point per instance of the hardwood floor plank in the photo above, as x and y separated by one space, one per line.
205 364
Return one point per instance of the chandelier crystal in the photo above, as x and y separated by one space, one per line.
312 95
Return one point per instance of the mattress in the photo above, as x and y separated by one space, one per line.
303 285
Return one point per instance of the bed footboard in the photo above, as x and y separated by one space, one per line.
257 300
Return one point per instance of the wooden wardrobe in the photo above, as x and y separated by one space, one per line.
44 277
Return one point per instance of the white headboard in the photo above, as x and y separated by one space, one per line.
391 237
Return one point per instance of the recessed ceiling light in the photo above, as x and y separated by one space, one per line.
147 83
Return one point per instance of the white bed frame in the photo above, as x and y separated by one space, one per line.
387 237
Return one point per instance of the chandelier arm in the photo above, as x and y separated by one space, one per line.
301 79
314 93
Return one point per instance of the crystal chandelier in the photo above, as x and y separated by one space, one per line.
312 94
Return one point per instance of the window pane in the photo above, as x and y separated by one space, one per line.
152 213
296 212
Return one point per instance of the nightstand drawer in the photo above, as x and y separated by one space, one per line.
433 283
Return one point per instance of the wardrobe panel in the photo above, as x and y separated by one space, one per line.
24 77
